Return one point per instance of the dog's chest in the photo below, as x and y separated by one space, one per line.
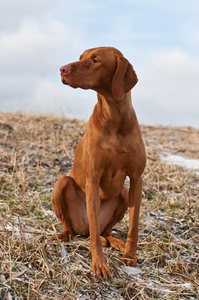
117 145
111 183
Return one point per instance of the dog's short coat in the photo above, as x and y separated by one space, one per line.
93 198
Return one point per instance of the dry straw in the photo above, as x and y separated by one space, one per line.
34 152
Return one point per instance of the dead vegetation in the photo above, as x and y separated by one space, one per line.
34 152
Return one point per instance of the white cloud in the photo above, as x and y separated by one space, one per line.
32 49
37 37
168 89
29 56
14 13
61 99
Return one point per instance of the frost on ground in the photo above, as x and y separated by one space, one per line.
34 152
182 161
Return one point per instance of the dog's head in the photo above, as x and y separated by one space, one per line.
102 69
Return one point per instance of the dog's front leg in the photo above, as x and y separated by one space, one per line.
135 197
93 209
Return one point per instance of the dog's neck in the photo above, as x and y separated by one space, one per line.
114 116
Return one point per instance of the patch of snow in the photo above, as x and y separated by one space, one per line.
167 291
188 163
182 161
51 212
187 285
48 212
9 296
17 231
64 254
9 228
127 179
131 270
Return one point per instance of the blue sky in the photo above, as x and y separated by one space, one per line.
159 38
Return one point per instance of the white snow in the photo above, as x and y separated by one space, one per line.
17 231
9 296
131 270
188 163
187 285
64 253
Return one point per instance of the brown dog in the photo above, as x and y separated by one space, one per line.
93 198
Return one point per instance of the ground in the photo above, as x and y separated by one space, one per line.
34 151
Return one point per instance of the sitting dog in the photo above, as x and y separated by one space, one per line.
93 198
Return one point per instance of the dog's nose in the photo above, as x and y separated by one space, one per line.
65 70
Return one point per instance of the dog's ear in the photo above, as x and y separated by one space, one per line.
124 78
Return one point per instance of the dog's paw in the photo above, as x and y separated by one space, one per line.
101 269
64 236
129 260
116 243
103 241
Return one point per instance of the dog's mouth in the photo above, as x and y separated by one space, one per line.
65 80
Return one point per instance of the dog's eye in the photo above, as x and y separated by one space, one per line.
95 60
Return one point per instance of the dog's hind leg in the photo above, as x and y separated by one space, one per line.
69 205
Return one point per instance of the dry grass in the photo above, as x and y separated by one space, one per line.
34 152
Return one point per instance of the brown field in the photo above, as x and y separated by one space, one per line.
34 151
